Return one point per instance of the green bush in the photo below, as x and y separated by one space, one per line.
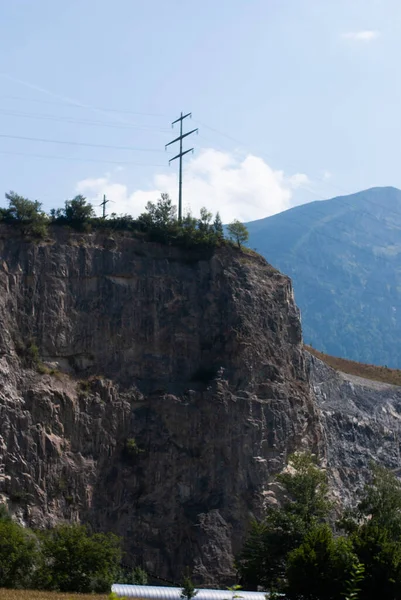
374 527
131 448
381 557
75 560
136 576
27 214
18 554
320 567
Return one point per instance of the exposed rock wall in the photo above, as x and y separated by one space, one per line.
197 357
361 422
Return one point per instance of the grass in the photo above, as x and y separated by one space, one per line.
383 374
41 595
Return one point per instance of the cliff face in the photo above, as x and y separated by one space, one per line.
177 386
361 424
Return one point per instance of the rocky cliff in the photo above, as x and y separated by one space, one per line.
148 390
361 422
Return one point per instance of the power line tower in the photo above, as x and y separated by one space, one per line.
180 155
104 205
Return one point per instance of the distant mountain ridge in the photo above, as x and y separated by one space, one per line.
344 257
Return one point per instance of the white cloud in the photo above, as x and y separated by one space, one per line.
244 189
327 175
361 36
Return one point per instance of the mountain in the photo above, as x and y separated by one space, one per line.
344 258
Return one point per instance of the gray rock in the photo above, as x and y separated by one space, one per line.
196 356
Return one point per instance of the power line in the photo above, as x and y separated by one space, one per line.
33 139
180 155
79 121
73 158
100 108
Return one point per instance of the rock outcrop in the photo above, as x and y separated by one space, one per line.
361 422
148 390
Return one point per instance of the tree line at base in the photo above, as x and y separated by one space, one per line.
308 549
67 558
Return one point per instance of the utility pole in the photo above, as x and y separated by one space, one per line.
180 155
104 205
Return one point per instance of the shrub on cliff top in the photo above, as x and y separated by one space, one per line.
238 232
26 213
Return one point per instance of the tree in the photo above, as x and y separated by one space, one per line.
76 560
381 501
78 210
28 213
381 557
18 550
263 560
375 531
238 232
188 590
204 223
306 487
320 567
218 226
23 210
160 214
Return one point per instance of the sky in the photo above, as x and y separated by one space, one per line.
294 100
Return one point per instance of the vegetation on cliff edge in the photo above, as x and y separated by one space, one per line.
158 222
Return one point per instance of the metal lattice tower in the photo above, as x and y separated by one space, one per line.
180 155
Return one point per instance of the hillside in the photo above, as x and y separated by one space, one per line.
372 372
343 256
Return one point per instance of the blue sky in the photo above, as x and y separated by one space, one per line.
295 100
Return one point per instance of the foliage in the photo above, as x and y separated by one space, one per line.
76 560
296 550
136 576
355 580
381 556
157 223
263 559
26 213
131 448
17 554
374 527
306 486
188 589
78 210
4 514
235 589
264 554
238 232
317 569
218 226
381 501
21 209
160 216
